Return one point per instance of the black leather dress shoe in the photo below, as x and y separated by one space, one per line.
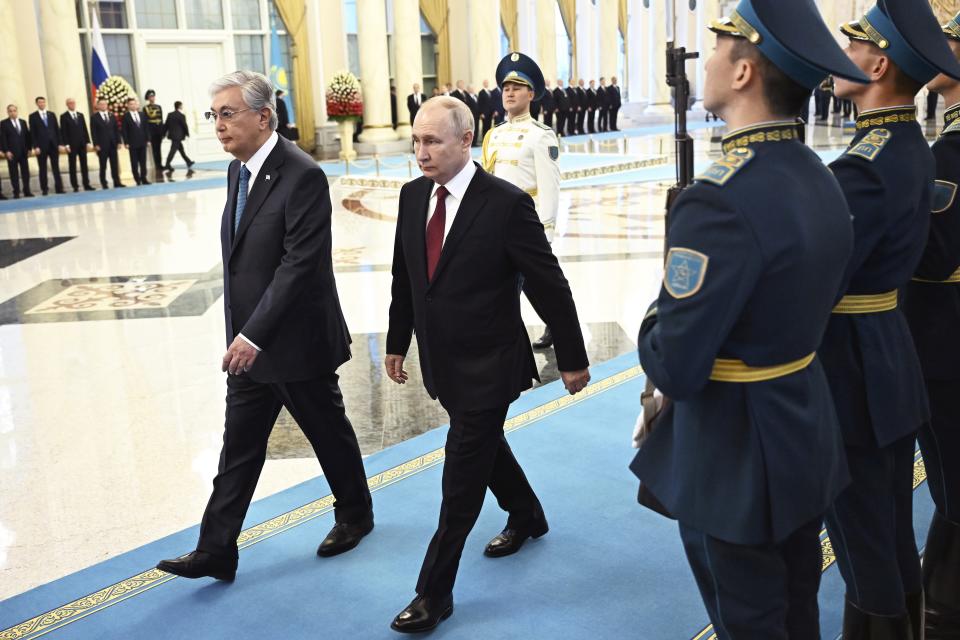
28 194
89 187
344 536
144 181
423 614
60 192
200 564
545 341
510 540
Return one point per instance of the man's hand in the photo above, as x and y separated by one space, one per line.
239 357
63 148
9 155
575 381
395 372
97 147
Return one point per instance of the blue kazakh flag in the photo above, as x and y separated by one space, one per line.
278 72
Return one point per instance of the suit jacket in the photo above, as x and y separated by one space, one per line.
547 101
472 105
106 135
278 283
459 95
45 136
72 133
176 126
10 141
484 103
613 95
413 107
283 115
474 348
593 100
573 99
603 97
496 101
561 100
132 135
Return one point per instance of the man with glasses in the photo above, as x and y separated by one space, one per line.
284 327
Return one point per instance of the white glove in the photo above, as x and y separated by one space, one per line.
638 426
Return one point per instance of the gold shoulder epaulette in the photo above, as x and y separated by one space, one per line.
871 145
542 126
721 171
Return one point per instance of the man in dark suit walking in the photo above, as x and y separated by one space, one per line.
133 131
17 147
463 239
45 133
414 100
178 131
106 140
284 327
76 139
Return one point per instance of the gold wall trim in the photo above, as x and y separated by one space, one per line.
143 582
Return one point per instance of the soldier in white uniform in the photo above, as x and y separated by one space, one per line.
524 151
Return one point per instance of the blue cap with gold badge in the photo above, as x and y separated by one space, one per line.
952 28
793 36
909 33
521 69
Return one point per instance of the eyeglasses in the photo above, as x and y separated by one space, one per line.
226 114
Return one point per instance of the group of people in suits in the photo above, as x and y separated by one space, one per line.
47 136
800 345
580 109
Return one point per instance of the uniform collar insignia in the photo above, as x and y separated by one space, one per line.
884 117
521 118
951 115
781 131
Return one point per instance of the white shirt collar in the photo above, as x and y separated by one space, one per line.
255 163
457 186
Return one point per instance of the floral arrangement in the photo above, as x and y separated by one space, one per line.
116 90
343 97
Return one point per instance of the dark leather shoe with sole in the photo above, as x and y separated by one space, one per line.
200 564
423 614
510 540
545 341
344 536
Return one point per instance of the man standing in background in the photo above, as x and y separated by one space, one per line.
16 144
76 139
45 133
106 140
414 100
133 132
562 104
613 93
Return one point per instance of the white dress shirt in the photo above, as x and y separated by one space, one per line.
456 187
254 165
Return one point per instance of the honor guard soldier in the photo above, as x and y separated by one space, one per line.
154 115
523 151
932 305
887 176
747 453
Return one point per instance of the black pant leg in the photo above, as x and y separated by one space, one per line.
84 170
115 166
252 410
155 144
103 157
42 162
13 168
548 118
803 556
142 159
174 144
72 168
134 166
317 406
24 164
513 492
55 166
473 443
868 528
940 442
561 121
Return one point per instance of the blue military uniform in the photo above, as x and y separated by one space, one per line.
748 454
887 175
932 306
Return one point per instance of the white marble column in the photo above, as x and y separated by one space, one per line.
62 57
639 64
484 29
11 74
374 71
406 42
27 39
547 38
609 37
587 61
659 92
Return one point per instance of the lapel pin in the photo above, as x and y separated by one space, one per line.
266 177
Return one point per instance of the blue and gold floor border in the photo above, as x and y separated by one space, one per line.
150 579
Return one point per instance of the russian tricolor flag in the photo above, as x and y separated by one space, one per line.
99 69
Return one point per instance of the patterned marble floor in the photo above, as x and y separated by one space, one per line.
111 334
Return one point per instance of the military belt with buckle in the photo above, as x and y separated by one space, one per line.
725 370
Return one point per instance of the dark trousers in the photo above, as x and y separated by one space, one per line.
572 117
81 153
155 142
871 528
19 169
252 410
602 119
932 99
138 163
51 155
477 457
592 120
548 118
581 118
762 592
175 146
940 444
561 122
485 126
110 155
614 112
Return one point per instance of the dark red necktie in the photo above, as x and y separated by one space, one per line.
435 232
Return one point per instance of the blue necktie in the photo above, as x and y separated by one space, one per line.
241 197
